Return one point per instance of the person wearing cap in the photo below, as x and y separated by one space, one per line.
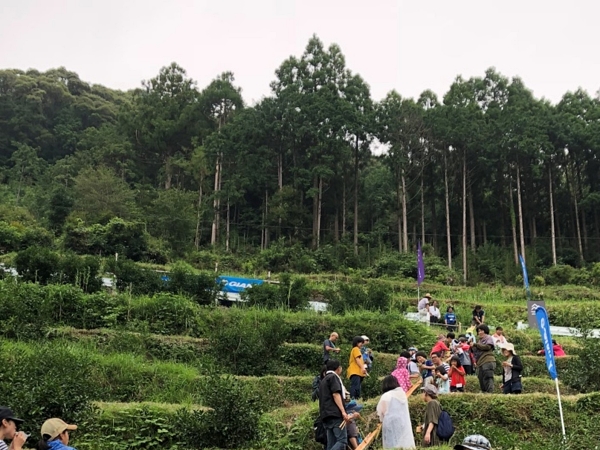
392 409
511 370
55 435
433 410
366 352
474 442
423 307
9 426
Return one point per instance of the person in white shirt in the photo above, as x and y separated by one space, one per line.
434 313
423 308
498 337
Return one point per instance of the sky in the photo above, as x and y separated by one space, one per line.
406 45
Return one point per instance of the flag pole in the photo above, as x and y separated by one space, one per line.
562 419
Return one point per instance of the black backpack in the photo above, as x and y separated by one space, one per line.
445 427
320 431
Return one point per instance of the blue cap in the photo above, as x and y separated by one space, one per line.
352 406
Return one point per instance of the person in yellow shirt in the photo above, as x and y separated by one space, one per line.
357 369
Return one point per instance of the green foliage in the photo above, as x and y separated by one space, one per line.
128 239
292 293
244 342
344 297
560 275
232 403
45 381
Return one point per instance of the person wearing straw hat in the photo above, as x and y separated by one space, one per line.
474 442
9 429
511 370
55 435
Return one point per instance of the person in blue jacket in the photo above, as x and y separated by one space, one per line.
450 319
55 435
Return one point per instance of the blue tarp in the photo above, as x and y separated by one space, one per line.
236 285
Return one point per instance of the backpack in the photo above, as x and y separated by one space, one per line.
445 427
320 431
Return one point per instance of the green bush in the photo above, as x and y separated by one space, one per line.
37 264
42 381
291 293
560 274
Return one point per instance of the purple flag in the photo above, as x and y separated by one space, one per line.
420 265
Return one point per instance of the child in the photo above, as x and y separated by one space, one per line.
457 375
464 353
442 380
426 366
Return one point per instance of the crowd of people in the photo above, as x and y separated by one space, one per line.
54 432
444 369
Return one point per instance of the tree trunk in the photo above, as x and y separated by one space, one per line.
578 228
484 231
267 235
319 212
447 198
513 223
199 215
344 206
227 226
464 216
336 225
472 220
315 211
280 184
19 188
422 210
552 229
356 198
215 224
399 206
520 206
404 214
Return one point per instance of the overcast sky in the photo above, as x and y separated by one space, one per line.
407 45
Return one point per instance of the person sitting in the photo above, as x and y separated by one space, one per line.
426 366
474 442
442 345
556 347
413 367
435 315
442 380
55 435
478 316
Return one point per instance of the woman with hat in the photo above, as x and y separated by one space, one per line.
433 410
55 435
512 368
9 426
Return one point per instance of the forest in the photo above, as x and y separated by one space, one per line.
479 176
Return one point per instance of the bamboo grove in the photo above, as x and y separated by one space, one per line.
317 162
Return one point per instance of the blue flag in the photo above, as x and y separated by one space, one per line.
544 326
525 277
420 265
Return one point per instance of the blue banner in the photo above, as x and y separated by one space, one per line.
525 276
544 326
236 285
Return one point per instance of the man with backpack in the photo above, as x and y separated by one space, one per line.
332 412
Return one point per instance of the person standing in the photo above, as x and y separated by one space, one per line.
366 352
463 350
331 406
329 346
394 415
450 319
498 337
485 360
511 370
402 374
357 369
457 375
433 411
9 425
423 308
435 316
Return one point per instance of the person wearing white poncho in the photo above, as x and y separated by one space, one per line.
393 413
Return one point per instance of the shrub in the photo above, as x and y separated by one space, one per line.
291 293
37 264
560 274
